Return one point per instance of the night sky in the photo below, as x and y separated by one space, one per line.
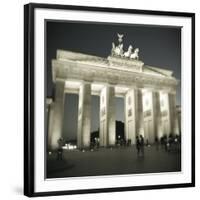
159 46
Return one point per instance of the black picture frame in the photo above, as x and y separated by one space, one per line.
29 96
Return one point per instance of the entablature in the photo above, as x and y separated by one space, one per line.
68 69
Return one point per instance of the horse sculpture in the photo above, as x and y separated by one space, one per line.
135 54
128 53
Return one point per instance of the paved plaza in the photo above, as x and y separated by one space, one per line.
107 161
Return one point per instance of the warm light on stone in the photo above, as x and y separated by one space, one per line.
149 94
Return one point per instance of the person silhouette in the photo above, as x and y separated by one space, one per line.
60 150
138 145
141 144
157 143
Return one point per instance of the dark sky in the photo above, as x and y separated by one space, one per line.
159 46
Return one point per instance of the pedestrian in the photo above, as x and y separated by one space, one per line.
142 144
138 145
60 150
157 143
165 142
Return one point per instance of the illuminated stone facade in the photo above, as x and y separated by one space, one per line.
149 94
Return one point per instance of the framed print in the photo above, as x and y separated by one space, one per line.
108 99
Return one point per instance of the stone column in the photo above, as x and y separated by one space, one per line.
131 115
149 111
107 116
165 113
139 110
49 120
157 114
178 114
84 116
173 114
56 117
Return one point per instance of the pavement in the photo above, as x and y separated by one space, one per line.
113 161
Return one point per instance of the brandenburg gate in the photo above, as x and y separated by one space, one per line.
149 95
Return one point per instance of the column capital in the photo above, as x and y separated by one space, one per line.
135 88
109 84
168 91
59 80
85 82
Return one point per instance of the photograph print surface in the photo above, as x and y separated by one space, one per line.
113 99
